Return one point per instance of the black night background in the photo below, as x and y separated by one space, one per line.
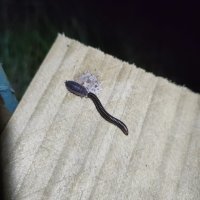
160 36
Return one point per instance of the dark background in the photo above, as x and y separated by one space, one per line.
160 36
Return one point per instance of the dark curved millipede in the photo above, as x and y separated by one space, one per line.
81 91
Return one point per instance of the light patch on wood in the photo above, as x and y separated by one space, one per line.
90 82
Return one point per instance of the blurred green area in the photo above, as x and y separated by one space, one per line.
23 47
21 53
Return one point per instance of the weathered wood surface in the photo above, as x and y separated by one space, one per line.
56 145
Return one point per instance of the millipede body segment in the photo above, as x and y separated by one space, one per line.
81 91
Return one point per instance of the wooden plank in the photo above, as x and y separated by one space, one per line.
57 146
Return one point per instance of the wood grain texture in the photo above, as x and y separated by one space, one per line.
57 146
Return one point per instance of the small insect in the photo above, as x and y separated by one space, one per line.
81 91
